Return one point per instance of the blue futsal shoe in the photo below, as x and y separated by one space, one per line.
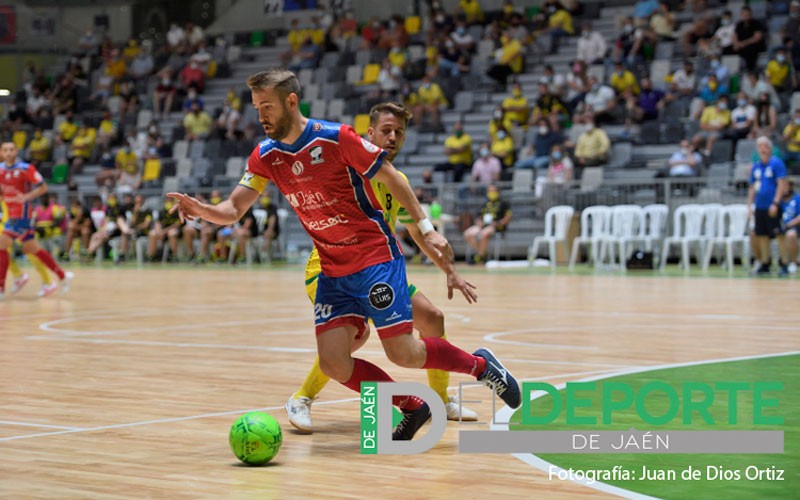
498 379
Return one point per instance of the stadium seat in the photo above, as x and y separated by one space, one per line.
557 221
370 75
595 222
361 124
234 167
626 221
687 230
413 24
732 229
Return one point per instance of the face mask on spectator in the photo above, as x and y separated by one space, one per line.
742 102
165 82
714 64
498 115
726 22
685 151
628 28
723 105
501 135
458 133
543 130
484 152
461 30
556 155
780 58
590 126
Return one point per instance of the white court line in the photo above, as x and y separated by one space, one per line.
43 426
175 344
164 420
493 337
504 415
48 326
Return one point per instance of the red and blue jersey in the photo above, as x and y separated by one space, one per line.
325 176
16 179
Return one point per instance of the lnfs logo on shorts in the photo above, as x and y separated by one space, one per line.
381 296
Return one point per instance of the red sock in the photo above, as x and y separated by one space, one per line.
442 355
364 371
48 261
3 269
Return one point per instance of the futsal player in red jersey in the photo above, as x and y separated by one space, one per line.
323 169
21 184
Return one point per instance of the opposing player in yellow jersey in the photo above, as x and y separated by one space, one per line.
21 278
387 129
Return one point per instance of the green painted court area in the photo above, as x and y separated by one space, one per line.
785 369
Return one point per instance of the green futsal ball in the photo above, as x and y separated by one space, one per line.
255 438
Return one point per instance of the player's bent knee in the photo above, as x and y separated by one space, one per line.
335 368
405 351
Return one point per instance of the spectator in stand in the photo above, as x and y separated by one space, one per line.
518 30
685 162
718 69
192 76
175 36
88 44
714 122
228 122
471 10
37 104
593 146
151 171
560 171
130 178
509 59
766 117
395 34
67 129
389 80
81 149
107 131
754 86
493 218
129 99
721 43
371 33
194 35
559 25
623 82
168 226
537 153
458 148
431 101
646 107
663 23
498 120
197 123
307 57
516 107
79 226
39 149
592 45
791 139
792 27
549 107
577 82
65 95
700 30
743 118
114 225
462 38
780 73
487 168
749 38
710 93
163 96
684 80
556 82
600 100
503 148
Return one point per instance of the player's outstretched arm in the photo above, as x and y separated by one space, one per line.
224 213
454 280
401 190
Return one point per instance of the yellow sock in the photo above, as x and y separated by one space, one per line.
13 267
314 382
44 273
438 380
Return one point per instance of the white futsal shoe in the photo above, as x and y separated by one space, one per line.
455 411
299 412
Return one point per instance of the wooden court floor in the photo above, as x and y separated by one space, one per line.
127 386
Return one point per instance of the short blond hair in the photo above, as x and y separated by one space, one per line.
281 79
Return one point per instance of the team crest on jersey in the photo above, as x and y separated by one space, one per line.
247 177
371 148
297 168
317 127
381 295
316 155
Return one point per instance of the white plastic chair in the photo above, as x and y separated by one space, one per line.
556 224
687 229
625 223
595 222
654 225
732 229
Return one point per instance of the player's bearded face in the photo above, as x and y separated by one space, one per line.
280 127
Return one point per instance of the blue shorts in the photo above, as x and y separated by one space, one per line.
19 229
378 293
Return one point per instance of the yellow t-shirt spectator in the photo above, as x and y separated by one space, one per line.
778 73
504 149
511 54
19 138
592 144
296 39
398 58
793 142
130 51
515 102
125 160
67 130
432 94
317 36
472 11
39 149
712 115
107 127
626 81
561 19
454 142
82 146
117 69
197 124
